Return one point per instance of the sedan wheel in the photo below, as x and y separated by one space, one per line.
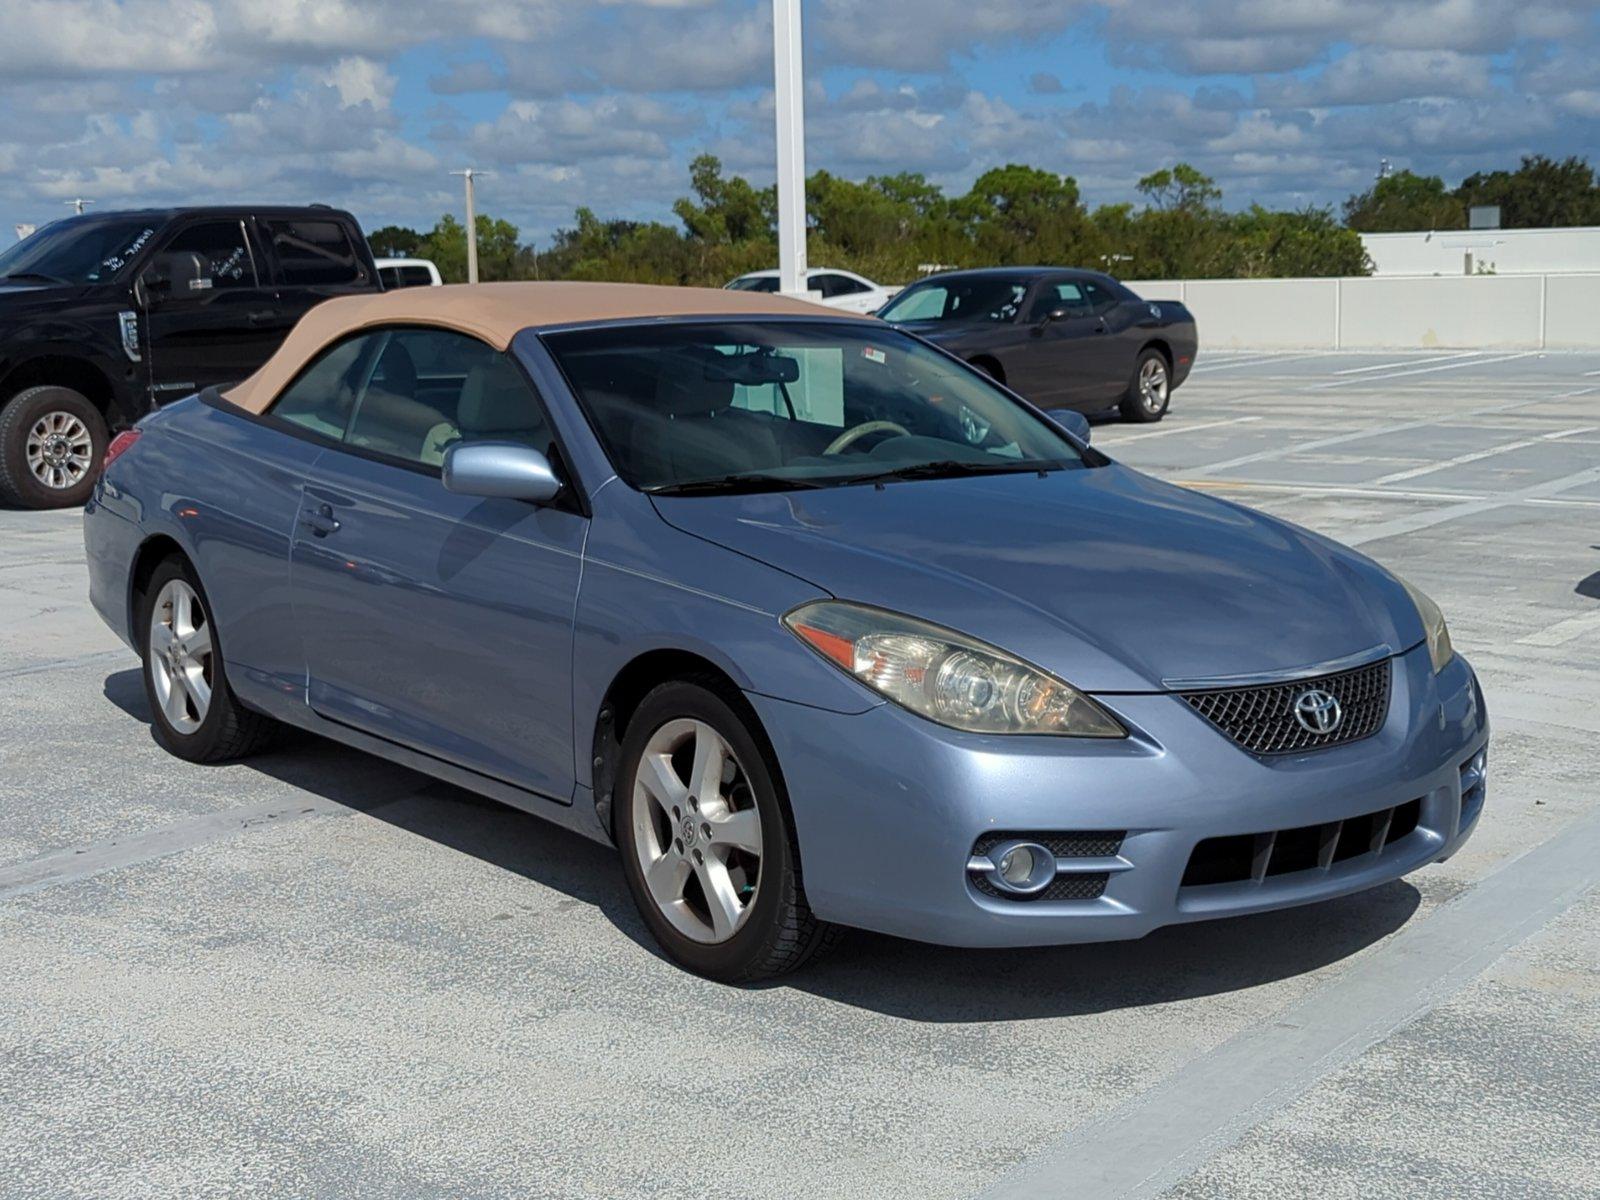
697 831
702 821
194 712
1150 390
180 659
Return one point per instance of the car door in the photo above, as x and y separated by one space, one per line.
1068 354
316 259
1121 338
439 621
209 314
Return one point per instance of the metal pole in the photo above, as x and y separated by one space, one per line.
78 204
468 176
789 91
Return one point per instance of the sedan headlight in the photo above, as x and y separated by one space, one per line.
946 677
1440 651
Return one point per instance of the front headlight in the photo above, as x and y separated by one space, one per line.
1440 651
946 677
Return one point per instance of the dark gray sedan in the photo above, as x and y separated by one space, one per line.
1062 338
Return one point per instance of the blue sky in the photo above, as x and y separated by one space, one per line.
370 103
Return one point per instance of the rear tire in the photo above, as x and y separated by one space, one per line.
683 845
193 712
1150 389
52 442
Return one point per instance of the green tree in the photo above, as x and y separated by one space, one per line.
1403 202
728 210
1180 188
498 249
1540 194
394 241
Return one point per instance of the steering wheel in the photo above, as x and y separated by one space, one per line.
849 436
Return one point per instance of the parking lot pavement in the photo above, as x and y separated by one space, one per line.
315 974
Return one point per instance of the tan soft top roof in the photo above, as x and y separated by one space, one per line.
497 312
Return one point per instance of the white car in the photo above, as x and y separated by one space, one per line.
407 272
839 289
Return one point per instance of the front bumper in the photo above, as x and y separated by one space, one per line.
888 808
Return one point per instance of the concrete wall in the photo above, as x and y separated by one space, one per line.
1501 251
1480 312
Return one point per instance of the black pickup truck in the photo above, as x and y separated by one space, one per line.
103 317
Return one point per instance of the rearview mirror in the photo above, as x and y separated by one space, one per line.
1073 421
506 470
753 370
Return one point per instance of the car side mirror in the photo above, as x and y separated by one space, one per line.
506 470
1073 421
1056 314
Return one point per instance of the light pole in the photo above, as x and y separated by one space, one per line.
469 174
78 204
789 92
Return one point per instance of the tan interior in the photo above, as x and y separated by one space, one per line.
497 312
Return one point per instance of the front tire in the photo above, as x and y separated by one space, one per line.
706 842
1150 389
52 442
193 711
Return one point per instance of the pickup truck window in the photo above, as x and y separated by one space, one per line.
77 251
204 258
313 252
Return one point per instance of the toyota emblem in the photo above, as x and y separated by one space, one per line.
1318 711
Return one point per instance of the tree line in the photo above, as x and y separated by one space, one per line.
894 228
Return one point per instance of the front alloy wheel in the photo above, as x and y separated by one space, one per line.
703 826
59 451
697 831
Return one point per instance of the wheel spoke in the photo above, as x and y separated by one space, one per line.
176 703
665 878
161 638
194 683
661 782
182 612
741 830
710 757
721 898
196 644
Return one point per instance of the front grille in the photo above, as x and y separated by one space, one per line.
1254 857
1262 719
1088 886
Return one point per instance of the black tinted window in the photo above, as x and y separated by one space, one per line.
404 277
77 250
202 259
314 251
830 285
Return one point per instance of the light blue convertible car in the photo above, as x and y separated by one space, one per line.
819 625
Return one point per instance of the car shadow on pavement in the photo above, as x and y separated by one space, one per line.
908 980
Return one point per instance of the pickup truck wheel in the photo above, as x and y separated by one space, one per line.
1150 389
52 440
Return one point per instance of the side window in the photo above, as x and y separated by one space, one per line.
1064 294
428 389
202 259
1098 297
324 394
314 252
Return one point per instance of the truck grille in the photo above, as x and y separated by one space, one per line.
1262 719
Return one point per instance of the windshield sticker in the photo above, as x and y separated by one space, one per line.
873 354
200 285
116 262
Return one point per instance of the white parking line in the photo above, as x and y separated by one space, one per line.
1475 456
1376 431
1122 439
1419 521
1142 1147
1413 362
1450 366
1262 360
1563 632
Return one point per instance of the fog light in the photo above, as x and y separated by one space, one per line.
1016 866
1022 867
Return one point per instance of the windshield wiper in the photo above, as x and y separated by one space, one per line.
733 484
39 275
951 468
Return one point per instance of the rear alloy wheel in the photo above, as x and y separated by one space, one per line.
52 440
192 709
1150 391
706 845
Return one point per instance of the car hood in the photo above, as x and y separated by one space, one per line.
1113 580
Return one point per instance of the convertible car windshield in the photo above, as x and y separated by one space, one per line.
694 409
